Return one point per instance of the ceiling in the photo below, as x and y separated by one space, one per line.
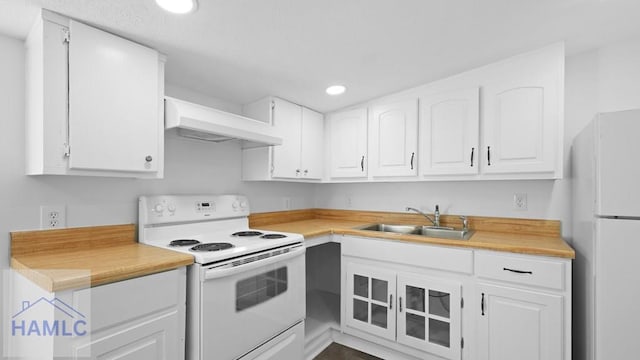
242 50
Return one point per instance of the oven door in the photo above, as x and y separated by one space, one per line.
245 306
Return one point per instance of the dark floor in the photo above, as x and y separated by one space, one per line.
340 352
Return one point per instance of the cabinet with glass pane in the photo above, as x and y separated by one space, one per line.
414 310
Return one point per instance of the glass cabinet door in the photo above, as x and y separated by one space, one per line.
370 303
429 315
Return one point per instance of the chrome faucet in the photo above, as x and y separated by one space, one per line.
465 223
436 215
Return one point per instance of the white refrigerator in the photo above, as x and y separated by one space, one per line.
606 228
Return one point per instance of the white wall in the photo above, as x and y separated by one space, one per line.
618 75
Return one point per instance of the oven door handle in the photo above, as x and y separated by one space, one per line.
220 273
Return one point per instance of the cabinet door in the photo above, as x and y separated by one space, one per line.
145 340
370 300
348 143
449 133
311 147
114 119
429 315
394 139
287 119
523 114
519 324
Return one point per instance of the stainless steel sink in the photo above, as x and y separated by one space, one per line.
447 233
400 229
430 231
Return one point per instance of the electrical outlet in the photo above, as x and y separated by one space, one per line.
520 201
286 203
53 216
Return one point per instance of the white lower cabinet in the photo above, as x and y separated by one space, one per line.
136 319
429 315
370 300
519 324
411 309
404 300
145 340
523 308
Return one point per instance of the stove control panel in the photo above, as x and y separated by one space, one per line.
205 206
166 209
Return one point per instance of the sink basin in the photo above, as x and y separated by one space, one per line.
400 229
430 231
447 233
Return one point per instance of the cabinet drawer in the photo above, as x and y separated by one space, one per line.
119 302
525 270
412 254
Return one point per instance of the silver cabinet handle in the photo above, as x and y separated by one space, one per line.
297 172
412 156
482 304
472 150
400 304
390 301
362 163
488 155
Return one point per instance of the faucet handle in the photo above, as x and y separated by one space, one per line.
465 222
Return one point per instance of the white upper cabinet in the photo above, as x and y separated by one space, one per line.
501 121
123 109
449 133
523 114
301 154
311 152
393 134
94 102
288 123
347 142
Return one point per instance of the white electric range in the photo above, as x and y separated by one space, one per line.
244 282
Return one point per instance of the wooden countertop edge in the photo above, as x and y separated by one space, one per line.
57 282
551 228
547 245
529 250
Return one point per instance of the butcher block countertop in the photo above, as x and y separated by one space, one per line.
88 256
524 236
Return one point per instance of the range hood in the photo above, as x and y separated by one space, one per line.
205 123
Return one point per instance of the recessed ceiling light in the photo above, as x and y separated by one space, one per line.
178 6
336 89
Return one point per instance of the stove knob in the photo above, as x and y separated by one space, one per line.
171 208
243 205
235 205
159 208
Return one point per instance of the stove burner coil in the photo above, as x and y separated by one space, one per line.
211 247
184 242
273 236
247 233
